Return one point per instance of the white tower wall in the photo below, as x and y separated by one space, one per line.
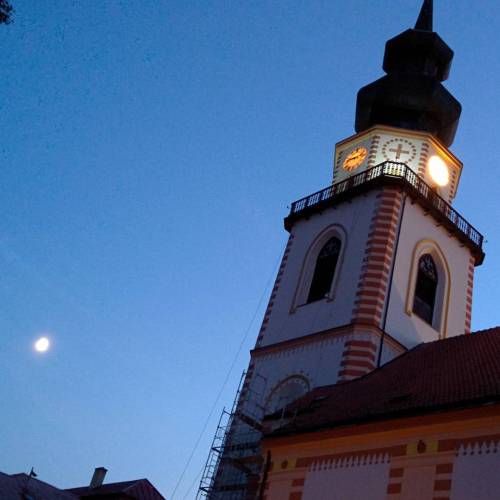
290 316
421 233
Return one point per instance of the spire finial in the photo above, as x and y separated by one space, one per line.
424 21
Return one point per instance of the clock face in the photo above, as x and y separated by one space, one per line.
400 150
354 159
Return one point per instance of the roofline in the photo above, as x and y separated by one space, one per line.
394 416
495 399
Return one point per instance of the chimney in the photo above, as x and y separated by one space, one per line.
98 477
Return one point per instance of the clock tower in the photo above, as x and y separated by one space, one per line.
376 263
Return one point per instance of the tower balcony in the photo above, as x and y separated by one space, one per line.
391 173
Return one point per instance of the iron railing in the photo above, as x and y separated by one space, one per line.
400 173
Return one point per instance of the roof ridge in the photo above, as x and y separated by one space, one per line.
133 481
431 385
485 330
19 475
494 329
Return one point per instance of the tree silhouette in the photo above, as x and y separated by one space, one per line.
5 12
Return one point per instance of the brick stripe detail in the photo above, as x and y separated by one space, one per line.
277 282
358 359
468 303
453 183
350 374
442 481
297 488
396 472
422 163
372 153
447 445
393 488
336 167
373 282
395 482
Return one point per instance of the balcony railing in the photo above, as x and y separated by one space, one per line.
394 172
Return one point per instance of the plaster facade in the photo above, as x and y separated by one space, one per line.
291 317
454 455
419 232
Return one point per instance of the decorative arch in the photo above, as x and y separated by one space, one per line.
302 292
443 283
286 391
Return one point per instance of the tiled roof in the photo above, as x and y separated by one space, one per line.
139 488
457 372
12 487
105 489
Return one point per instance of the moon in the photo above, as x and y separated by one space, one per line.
42 344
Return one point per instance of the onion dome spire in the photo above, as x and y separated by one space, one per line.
411 94
424 21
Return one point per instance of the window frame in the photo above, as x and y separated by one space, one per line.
443 290
298 378
309 265
318 282
427 283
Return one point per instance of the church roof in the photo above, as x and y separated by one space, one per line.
458 372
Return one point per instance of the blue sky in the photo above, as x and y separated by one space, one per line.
149 153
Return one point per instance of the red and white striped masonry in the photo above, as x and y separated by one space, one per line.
373 151
468 304
373 282
442 481
276 286
358 359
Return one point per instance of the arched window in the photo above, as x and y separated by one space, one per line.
324 270
425 288
285 392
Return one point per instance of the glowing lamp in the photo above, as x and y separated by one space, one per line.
438 171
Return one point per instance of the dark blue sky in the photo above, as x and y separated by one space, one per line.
149 152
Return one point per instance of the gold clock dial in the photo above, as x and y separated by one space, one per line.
354 159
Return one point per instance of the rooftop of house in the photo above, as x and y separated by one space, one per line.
453 373
138 488
22 486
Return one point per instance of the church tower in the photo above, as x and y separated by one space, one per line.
376 263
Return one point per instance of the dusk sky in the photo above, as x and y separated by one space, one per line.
150 150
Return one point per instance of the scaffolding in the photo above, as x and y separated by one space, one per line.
233 466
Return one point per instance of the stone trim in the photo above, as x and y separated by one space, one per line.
374 279
276 286
358 359
468 305
442 481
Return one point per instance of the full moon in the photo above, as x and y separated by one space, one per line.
42 344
